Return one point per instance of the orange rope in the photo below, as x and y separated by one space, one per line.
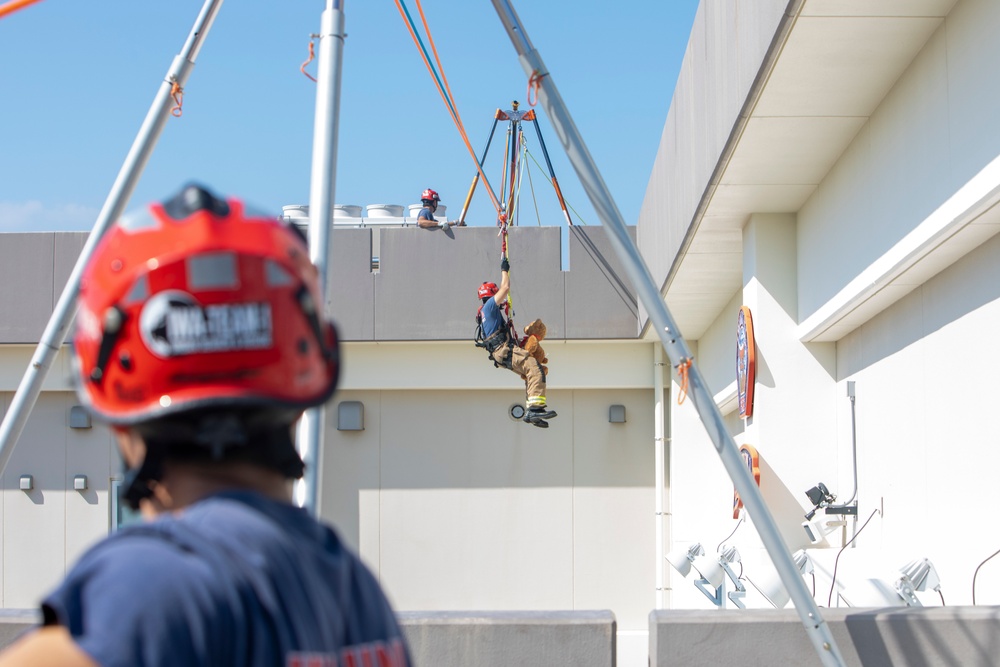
14 5
178 94
534 83
455 117
312 54
682 371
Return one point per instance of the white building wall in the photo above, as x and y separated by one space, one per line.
923 369
933 131
926 380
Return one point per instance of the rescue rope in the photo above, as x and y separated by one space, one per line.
682 371
312 55
14 5
444 90
539 165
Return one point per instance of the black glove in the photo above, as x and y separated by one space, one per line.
504 264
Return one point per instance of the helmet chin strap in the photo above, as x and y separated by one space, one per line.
135 483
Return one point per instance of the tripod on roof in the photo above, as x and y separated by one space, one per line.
514 166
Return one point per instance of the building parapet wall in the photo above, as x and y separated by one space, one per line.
424 288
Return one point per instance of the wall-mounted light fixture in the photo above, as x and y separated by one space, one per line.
768 582
898 591
26 482
616 414
714 570
79 417
351 416
80 482
681 558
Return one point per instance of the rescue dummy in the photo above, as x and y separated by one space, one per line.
532 342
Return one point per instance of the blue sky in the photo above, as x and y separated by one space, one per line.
79 77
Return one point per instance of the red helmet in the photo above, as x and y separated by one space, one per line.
487 290
430 196
199 303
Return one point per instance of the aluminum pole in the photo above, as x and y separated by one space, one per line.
321 196
660 462
65 310
670 336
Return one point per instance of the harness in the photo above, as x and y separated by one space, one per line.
495 340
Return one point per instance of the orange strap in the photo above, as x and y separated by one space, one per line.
178 94
534 83
14 5
455 117
682 371
312 54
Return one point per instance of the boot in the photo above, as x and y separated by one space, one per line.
538 413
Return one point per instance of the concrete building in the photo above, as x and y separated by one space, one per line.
832 166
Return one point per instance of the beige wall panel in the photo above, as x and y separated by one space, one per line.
351 471
34 522
613 506
89 452
476 509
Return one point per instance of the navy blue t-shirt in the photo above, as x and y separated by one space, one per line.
492 317
236 579
426 214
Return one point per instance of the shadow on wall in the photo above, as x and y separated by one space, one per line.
620 285
784 507
966 286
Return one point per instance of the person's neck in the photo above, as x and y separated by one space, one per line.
183 484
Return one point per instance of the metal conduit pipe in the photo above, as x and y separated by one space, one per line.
660 462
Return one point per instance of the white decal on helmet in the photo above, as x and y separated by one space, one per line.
173 323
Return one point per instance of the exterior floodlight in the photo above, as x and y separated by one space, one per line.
713 570
769 583
901 591
710 569
917 575
922 574
681 558
872 593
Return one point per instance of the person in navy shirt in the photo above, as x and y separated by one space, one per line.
200 339
425 217
496 336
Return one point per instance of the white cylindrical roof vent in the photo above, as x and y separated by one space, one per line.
438 214
385 211
346 211
296 213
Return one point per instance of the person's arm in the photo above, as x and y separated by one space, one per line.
50 646
501 296
426 219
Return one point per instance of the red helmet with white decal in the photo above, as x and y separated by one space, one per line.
487 290
429 197
199 303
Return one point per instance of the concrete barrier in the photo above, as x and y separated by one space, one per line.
504 638
15 622
906 637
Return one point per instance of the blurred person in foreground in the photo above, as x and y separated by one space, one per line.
200 340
